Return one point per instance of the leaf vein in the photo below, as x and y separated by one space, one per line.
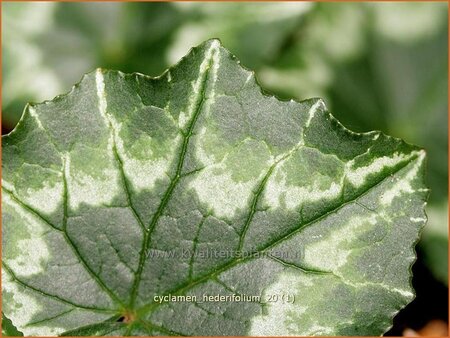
58 298
227 266
198 105
74 248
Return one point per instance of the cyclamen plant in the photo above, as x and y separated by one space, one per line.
103 184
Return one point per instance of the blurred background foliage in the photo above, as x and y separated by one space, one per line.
378 66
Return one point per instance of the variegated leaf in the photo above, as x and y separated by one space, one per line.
131 188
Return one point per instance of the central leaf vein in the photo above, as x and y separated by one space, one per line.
197 108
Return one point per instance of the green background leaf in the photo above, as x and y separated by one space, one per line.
8 329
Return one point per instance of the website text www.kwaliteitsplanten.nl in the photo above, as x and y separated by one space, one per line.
207 253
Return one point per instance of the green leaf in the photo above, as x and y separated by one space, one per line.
434 242
130 189
8 328
107 328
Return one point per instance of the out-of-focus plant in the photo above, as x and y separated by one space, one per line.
46 46
434 242
257 32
